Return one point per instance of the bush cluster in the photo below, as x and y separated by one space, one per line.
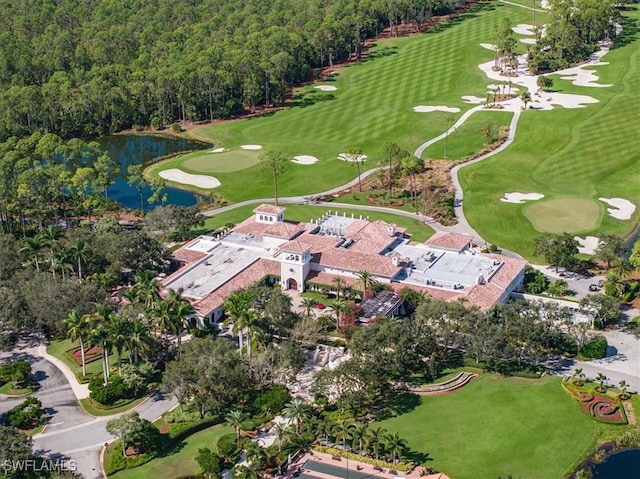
596 348
398 466
115 390
27 414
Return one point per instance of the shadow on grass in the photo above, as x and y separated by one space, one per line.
629 29
381 53
456 18
311 98
398 404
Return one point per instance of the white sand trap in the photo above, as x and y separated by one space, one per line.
474 100
347 157
305 159
488 46
528 41
325 87
524 29
251 147
580 77
588 245
179 176
622 209
505 88
218 150
516 197
429 109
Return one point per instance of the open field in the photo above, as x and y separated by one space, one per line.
584 153
372 104
181 461
419 231
498 426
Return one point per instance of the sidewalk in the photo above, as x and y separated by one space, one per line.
81 391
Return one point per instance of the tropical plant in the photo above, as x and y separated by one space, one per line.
33 248
308 304
375 440
395 445
359 436
100 336
298 410
354 154
139 339
273 162
235 418
338 308
80 253
342 432
325 428
623 385
578 377
366 280
338 283
602 379
77 327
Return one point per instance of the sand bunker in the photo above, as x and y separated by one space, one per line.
581 77
488 46
588 245
474 100
348 157
179 176
516 197
524 29
622 209
325 87
429 109
251 147
491 88
218 150
305 159
529 41
565 100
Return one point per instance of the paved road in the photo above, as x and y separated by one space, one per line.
70 432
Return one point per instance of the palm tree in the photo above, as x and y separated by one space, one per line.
358 436
120 330
623 385
273 162
100 336
308 304
162 317
63 261
366 280
601 378
281 432
245 472
614 285
235 419
51 236
256 457
354 154
375 439
412 165
77 329
181 309
342 432
80 253
578 376
392 150
338 307
621 267
297 410
33 248
325 427
526 98
139 339
338 283
146 288
395 445
236 307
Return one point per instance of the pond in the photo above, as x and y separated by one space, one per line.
134 149
623 465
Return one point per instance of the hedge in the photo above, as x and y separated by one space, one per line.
398 466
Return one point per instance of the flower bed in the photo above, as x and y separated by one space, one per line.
90 355
599 407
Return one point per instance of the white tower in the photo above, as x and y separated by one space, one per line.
295 263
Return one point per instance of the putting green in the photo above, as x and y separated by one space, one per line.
226 162
564 215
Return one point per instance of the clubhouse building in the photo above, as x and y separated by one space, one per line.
299 256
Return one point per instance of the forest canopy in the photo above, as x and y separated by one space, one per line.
99 66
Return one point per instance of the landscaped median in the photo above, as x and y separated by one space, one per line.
599 406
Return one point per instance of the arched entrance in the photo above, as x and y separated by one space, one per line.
292 284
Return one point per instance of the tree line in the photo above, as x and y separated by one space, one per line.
95 67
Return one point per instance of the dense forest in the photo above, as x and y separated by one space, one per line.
98 66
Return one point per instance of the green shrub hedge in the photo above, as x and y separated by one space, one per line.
595 349
398 466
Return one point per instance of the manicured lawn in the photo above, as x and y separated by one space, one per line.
583 153
498 426
419 231
372 104
563 214
58 348
7 390
181 461
468 138
224 162
90 407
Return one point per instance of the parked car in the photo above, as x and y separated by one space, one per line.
593 287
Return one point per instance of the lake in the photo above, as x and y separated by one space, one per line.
623 465
133 149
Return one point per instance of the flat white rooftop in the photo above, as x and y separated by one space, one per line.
224 262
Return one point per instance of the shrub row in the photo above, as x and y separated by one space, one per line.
398 466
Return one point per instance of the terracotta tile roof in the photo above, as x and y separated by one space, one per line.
279 229
185 255
508 271
485 295
372 237
444 239
327 278
295 246
350 260
269 209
